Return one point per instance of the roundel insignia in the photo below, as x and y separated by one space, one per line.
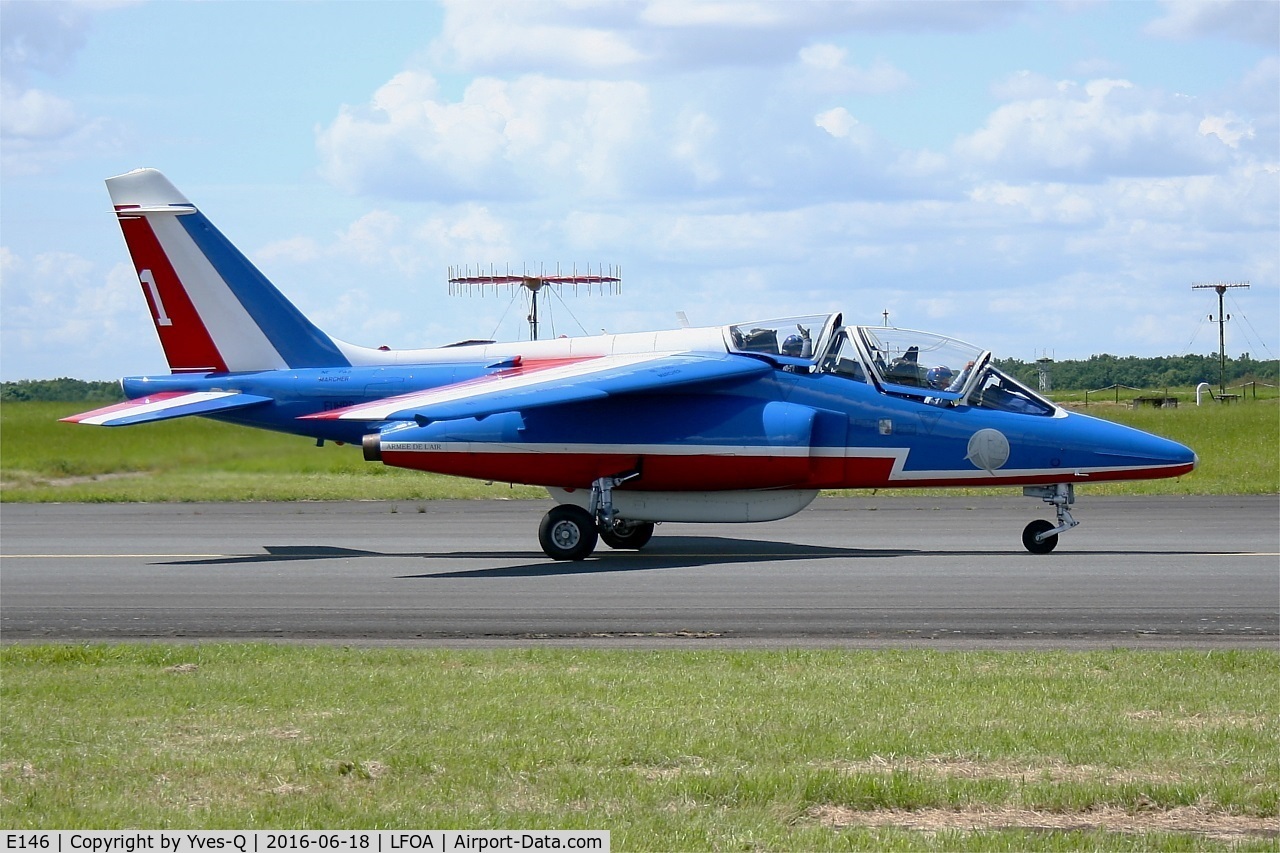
988 449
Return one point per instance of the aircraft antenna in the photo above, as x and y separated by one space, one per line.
464 282
1221 287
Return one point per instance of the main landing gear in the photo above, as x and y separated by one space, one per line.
569 532
1041 536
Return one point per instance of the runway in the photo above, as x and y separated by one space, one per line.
873 571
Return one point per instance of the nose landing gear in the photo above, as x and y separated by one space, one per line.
1040 536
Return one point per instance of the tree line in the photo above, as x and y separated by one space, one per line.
1097 371
64 390
1169 371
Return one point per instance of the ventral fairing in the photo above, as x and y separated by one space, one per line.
745 422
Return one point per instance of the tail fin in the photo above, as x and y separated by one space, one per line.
213 309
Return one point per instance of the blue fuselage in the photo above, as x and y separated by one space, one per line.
780 430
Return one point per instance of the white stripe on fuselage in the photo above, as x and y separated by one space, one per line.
495 383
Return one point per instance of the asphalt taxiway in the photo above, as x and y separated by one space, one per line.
951 571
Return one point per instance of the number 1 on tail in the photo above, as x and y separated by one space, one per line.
162 319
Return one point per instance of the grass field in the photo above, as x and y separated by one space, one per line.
785 750
194 459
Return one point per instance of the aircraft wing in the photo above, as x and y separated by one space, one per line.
531 384
162 407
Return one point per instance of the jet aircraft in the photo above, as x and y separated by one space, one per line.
737 423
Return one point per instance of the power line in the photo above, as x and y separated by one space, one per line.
1243 316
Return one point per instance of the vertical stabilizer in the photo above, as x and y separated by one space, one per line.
213 309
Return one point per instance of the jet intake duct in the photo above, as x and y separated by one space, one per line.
372 447
787 424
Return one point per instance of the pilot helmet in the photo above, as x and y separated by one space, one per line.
793 345
939 377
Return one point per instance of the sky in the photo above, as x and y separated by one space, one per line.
1034 178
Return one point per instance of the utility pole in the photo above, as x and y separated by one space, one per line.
1221 287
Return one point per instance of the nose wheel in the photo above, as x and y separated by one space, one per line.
1041 536
1038 538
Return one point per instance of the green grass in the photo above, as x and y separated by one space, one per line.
1238 445
777 750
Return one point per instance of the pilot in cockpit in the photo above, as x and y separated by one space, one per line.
939 377
797 346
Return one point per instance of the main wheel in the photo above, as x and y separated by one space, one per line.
567 532
1045 545
629 535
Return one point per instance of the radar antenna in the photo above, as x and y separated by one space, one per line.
463 282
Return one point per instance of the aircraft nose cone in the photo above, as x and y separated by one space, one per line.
1173 452
1126 453
1143 446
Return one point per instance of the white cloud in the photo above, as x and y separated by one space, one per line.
295 250
837 121
502 138
737 158
1229 127
661 36
678 13
32 114
694 146
1252 21
59 306
489 35
823 68
39 127
1040 202
41 37
1104 128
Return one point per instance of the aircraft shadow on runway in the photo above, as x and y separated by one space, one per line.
670 552
673 552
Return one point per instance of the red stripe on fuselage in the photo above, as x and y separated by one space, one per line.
713 472
702 472
186 342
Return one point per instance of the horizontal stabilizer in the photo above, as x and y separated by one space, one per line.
162 407
531 385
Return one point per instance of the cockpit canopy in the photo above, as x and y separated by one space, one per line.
938 370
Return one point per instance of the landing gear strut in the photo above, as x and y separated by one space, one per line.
569 532
1040 536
